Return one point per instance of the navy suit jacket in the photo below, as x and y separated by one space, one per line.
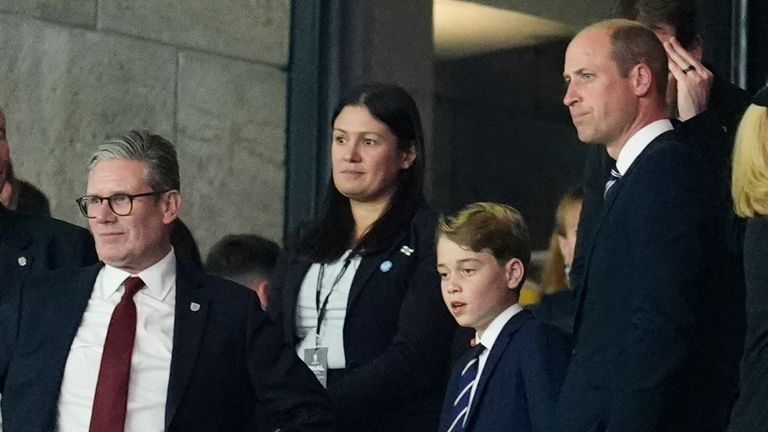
397 332
521 379
33 244
645 278
226 356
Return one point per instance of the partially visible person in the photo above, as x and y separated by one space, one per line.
16 194
247 259
33 244
511 379
557 306
647 246
750 198
141 342
356 290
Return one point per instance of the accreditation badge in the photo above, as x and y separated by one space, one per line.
317 361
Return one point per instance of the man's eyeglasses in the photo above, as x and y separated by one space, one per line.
121 204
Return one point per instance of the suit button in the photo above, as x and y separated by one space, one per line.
573 352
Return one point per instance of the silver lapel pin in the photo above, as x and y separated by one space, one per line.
406 250
22 261
194 307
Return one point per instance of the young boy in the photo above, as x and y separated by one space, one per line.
511 379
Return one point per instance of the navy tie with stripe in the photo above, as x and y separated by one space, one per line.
615 176
462 391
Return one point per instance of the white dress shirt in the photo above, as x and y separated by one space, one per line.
151 360
639 141
332 327
488 338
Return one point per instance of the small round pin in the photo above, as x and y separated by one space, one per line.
22 261
386 266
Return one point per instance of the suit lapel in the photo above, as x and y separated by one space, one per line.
191 311
499 346
368 266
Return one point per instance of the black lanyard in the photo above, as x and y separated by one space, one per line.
322 309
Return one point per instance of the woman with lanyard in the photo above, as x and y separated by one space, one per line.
356 291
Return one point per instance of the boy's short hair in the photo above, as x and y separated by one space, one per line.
498 228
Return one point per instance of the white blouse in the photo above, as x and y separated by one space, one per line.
332 327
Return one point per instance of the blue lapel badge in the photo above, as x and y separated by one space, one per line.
385 266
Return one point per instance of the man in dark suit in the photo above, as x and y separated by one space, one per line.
705 109
31 244
140 343
34 244
640 275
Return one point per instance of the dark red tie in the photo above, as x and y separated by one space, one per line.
111 397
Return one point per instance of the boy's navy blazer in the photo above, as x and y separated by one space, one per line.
226 354
520 382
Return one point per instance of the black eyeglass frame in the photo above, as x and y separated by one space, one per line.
82 204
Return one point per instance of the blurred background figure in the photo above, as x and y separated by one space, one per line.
360 282
556 305
247 259
750 198
17 194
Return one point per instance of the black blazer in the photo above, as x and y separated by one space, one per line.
226 355
521 380
749 413
397 332
644 280
33 244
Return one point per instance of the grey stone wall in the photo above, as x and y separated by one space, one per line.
207 75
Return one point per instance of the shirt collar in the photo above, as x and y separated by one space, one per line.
639 141
494 328
159 278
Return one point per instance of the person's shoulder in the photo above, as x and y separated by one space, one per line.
670 153
48 226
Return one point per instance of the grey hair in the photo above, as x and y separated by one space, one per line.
161 163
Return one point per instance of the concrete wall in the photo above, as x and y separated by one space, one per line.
210 76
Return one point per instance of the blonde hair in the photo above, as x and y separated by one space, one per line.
496 227
749 178
553 277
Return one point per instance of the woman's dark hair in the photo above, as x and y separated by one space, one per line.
333 233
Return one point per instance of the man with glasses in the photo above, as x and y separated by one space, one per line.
142 343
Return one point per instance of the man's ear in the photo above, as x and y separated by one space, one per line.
642 79
171 205
514 272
